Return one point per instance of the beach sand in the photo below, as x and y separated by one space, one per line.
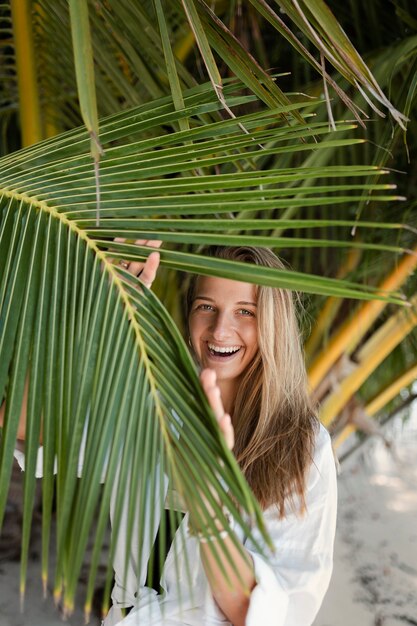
375 573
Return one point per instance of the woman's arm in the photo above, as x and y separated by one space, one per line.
230 590
289 586
21 431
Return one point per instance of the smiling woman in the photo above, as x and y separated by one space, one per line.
263 385
223 331
245 339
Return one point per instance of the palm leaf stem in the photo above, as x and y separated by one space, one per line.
243 65
130 226
21 351
278 278
322 28
273 18
73 143
244 240
173 78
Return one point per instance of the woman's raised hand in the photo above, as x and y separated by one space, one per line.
212 391
145 271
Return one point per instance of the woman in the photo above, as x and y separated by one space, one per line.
246 341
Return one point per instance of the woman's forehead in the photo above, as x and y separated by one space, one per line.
215 287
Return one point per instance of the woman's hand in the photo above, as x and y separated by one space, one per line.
212 391
145 271
230 575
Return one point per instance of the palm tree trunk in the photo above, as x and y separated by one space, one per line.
349 335
370 356
29 102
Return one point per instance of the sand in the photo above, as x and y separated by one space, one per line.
375 574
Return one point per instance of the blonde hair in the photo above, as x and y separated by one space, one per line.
276 423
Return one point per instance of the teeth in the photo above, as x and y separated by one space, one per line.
228 350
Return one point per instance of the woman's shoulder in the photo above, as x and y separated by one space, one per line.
323 465
323 440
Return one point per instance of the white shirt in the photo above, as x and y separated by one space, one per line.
291 582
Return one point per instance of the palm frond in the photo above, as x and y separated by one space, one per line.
110 378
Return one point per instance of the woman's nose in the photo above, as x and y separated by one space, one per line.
222 326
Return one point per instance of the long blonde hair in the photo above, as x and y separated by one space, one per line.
276 423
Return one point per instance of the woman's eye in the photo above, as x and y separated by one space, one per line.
246 312
204 307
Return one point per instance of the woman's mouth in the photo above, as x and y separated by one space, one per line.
222 352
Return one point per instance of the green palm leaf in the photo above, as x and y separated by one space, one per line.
109 377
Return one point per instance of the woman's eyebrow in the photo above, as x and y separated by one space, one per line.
212 300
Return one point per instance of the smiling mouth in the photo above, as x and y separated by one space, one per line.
223 352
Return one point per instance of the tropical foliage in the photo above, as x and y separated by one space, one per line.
197 143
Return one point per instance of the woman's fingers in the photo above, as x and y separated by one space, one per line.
228 431
212 391
144 270
136 267
208 380
149 269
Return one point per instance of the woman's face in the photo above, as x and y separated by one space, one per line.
223 326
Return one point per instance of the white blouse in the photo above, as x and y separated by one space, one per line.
291 582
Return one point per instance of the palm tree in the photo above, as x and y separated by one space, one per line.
186 156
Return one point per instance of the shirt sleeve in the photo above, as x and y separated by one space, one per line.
130 575
292 583
20 458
